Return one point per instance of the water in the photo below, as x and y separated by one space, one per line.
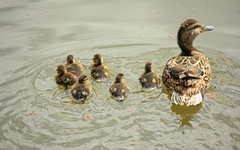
38 35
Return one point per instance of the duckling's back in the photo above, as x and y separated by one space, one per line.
149 80
75 68
100 72
66 79
81 91
119 91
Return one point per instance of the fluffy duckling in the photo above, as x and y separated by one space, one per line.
65 78
73 66
82 89
149 80
119 88
99 70
187 75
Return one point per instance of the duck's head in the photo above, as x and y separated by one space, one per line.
148 67
97 59
70 59
83 79
60 70
188 31
120 78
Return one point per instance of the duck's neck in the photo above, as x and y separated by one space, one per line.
99 64
61 74
186 46
119 81
69 62
83 82
148 70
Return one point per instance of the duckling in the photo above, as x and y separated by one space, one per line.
119 88
149 80
65 78
187 75
99 70
82 89
73 66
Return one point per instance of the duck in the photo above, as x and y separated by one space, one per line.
99 71
188 75
119 89
65 78
73 66
82 89
149 80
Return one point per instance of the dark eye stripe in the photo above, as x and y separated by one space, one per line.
197 26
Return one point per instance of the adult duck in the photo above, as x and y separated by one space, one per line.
187 75
73 66
149 80
99 70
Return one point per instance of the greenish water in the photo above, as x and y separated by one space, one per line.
38 35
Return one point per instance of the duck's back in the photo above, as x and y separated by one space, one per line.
81 91
75 68
119 90
149 80
66 79
99 72
187 75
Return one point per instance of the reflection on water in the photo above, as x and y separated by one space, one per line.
186 113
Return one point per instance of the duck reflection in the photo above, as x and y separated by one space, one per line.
186 113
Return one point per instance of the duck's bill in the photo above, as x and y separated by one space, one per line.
208 28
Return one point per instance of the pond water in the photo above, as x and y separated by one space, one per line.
37 36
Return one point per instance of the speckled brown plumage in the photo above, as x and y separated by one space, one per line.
73 66
149 80
188 74
119 89
99 70
81 90
65 78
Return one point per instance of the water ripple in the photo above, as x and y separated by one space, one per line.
45 114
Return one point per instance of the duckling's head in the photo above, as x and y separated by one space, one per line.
97 59
188 31
83 79
60 70
120 78
148 67
70 59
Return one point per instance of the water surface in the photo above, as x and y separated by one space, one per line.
38 35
